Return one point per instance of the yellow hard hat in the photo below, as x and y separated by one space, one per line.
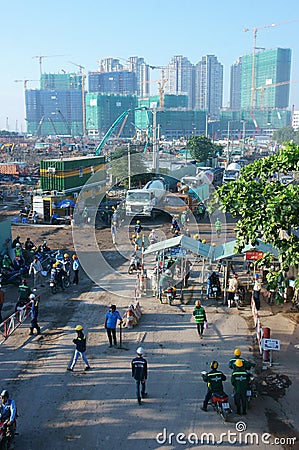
138 221
66 255
197 303
204 241
237 352
79 328
239 363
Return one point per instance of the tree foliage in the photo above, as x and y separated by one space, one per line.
286 134
266 207
120 168
202 148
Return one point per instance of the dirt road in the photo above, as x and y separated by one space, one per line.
98 409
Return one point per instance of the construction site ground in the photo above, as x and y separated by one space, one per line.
97 409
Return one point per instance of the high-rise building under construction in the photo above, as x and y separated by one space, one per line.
265 79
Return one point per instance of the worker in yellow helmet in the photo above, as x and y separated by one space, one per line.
80 342
247 365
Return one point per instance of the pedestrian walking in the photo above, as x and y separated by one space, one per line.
218 226
114 231
257 291
112 316
233 286
36 268
1 303
139 373
76 267
240 380
80 342
200 317
34 300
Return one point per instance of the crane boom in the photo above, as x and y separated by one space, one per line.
255 30
115 123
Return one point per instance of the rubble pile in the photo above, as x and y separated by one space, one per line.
273 385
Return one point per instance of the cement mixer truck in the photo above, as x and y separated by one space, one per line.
231 173
146 201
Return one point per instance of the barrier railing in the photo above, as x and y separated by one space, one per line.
132 315
13 322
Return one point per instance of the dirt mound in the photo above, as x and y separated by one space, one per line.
273 384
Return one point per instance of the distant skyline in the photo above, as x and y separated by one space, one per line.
86 32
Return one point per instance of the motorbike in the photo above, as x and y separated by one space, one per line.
220 403
55 285
12 277
135 265
250 393
6 440
168 293
214 289
239 297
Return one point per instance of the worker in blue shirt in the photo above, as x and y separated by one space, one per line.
8 412
112 316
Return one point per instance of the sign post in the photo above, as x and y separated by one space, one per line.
270 345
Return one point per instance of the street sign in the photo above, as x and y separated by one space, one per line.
253 255
270 344
178 251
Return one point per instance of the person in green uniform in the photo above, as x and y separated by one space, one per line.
214 379
240 380
247 365
218 226
200 317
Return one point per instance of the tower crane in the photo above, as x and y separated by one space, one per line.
161 83
40 60
255 30
25 83
272 85
83 75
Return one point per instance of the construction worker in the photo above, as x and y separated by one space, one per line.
218 226
76 267
237 355
214 379
8 414
138 227
24 292
34 314
80 342
6 263
139 373
112 316
36 269
200 317
240 380
233 285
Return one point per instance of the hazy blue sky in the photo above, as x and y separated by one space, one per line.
85 31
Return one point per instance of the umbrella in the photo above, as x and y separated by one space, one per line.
66 203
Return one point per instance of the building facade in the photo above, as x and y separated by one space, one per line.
209 85
265 80
103 109
235 85
180 78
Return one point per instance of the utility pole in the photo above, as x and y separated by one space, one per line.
155 143
129 165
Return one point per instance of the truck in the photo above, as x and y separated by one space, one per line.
231 173
145 201
180 202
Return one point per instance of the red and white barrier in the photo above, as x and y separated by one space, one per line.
14 321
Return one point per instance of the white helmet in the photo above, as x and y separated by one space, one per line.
140 351
18 245
168 272
32 296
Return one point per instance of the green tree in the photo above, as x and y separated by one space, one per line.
284 134
265 207
202 148
120 167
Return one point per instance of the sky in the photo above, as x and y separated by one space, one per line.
86 31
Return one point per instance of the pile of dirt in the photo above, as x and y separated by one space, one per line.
273 384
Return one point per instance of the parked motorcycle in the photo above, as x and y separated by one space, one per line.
214 287
240 297
135 265
12 277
